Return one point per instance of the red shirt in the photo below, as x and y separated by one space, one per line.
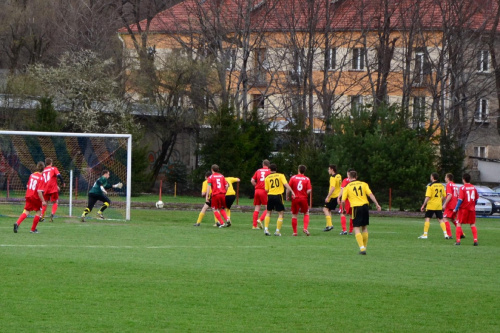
259 177
217 183
50 177
300 184
453 190
35 183
468 195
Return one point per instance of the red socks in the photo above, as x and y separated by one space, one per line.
218 217
306 222
54 208
448 228
263 216
474 233
223 213
35 222
458 233
21 218
351 227
255 217
343 222
294 224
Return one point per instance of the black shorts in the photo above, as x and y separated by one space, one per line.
360 216
275 202
93 198
332 204
230 200
430 213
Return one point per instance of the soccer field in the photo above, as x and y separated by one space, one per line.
158 273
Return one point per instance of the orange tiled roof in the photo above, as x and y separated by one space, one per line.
280 15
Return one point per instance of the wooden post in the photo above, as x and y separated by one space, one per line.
175 190
237 192
311 198
161 185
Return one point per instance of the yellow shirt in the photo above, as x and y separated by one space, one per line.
204 187
335 181
436 192
357 192
274 183
230 189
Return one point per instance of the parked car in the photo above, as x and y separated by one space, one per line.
487 193
496 189
483 206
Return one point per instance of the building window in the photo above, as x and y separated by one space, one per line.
480 152
422 65
356 105
230 59
418 117
358 58
331 58
258 103
482 110
261 65
483 61
297 61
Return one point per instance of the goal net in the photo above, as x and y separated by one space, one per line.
79 157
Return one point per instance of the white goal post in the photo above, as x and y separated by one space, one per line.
85 154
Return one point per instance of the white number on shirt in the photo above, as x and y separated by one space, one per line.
262 176
300 186
46 176
32 185
219 185
471 196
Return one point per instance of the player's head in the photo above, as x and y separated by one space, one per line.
448 177
215 168
40 166
105 173
266 163
48 161
208 174
273 167
348 171
332 168
466 178
353 175
434 176
302 169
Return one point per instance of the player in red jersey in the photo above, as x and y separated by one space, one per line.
34 198
260 197
449 204
217 183
466 208
301 186
347 210
51 193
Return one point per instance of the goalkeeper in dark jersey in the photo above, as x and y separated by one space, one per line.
98 193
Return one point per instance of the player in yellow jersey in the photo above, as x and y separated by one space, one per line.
433 204
230 194
357 192
331 198
206 206
275 184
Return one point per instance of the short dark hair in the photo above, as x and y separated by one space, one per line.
449 176
215 168
208 174
105 171
48 161
273 167
266 163
333 167
40 166
302 169
466 177
353 174
435 176
350 169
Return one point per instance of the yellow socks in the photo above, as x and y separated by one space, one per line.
443 227
365 238
266 221
200 217
359 239
279 224
329 221
427 224
228 213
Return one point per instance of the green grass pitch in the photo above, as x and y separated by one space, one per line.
158 273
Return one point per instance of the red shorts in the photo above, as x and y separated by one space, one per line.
449 213
260 197
52 197
219 201
466 216
300 204
33 204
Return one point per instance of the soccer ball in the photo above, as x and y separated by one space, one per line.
159 204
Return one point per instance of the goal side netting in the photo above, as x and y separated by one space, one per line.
79 157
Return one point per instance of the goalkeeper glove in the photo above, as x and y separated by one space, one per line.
119 185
